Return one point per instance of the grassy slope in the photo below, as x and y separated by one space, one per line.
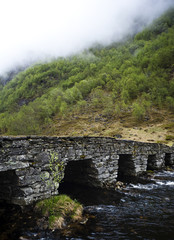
124 89
157 129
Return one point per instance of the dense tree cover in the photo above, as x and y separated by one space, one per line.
132 76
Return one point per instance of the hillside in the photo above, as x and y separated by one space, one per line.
125 89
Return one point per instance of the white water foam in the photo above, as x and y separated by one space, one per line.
143 186
157 183
165 173
168 183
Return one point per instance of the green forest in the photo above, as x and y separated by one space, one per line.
129 77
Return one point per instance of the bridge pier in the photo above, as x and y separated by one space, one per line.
156 161
107 171
169 159
131 165
140 163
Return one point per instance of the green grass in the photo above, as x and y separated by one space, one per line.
59 210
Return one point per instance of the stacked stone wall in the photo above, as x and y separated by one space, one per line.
26 159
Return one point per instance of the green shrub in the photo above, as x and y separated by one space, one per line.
138 111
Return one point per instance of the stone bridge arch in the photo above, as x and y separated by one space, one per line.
81 172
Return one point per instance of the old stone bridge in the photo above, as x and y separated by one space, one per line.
92 161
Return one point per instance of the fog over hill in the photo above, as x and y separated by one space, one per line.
35 30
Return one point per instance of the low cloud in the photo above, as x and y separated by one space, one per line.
33 30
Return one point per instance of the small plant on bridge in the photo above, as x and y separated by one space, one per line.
56 167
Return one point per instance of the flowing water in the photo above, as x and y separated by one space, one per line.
142 211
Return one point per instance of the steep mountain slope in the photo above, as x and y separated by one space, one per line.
132 80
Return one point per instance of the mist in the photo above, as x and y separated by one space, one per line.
33 30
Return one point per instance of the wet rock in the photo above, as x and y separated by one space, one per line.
119 185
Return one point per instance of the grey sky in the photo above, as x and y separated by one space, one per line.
39 29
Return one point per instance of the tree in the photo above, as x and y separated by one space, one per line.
138 111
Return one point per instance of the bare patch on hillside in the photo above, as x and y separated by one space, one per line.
159 127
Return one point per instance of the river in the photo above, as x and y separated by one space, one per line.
140 211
